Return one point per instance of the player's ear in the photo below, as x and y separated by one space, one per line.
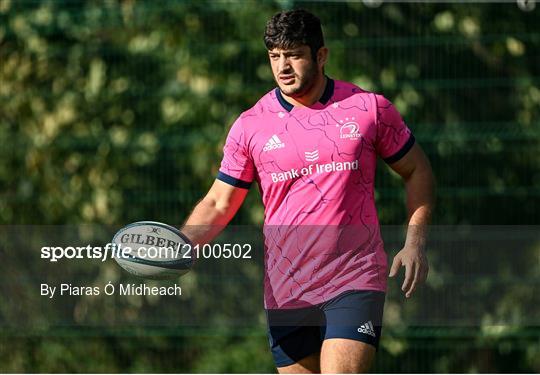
322 56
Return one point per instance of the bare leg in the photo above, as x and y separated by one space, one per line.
346 356
307 365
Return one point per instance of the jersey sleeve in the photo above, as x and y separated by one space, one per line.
394 139
237 167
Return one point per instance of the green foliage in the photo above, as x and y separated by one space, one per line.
245 354
116 111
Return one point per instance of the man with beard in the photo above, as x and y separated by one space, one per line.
311 144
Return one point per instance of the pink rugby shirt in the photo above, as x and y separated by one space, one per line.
315 168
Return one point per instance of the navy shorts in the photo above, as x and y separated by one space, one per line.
296 333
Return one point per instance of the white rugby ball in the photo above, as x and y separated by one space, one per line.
152 250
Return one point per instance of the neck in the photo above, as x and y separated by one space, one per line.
311 96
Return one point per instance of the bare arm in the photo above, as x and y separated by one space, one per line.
415 170
212 214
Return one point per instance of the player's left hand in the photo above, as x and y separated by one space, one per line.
416 268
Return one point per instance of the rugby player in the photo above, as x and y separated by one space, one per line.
311 145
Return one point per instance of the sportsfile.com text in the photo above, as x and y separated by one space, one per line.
181 251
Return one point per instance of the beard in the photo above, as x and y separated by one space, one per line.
302 83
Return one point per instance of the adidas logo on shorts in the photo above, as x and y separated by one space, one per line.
367 328
273 143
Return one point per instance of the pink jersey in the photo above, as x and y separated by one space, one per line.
315 167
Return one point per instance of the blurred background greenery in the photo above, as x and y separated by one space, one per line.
116 111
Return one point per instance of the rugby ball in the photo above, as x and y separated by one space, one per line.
152 250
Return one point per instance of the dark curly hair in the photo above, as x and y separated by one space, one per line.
290 29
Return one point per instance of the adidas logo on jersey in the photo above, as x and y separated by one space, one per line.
273 143
367 328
